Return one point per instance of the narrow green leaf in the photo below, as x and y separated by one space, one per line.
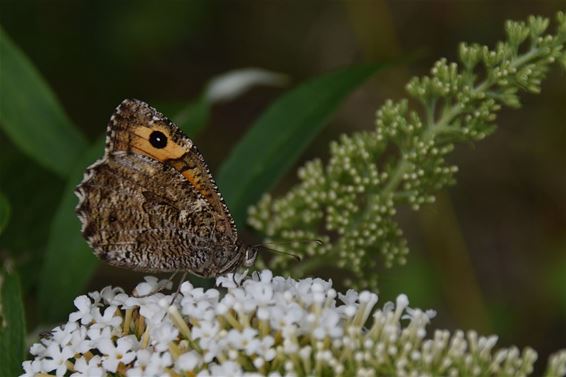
31 115
4 212
194 116
224 87
12 325
31 209
279 136
69 262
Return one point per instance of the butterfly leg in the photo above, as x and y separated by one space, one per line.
179 287
257 274
243 277
236 283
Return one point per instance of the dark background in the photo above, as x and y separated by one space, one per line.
490 255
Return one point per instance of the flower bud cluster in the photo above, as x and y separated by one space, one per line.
350 202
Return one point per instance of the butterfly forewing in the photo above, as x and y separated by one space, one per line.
133 128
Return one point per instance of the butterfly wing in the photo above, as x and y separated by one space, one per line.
138 215
151 204
132 128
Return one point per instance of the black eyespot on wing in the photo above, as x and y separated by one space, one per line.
158 139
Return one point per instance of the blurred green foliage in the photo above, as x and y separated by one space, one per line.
31 116
12 324
4 212
277 139
47 136
193 117
66 247
509 205
351 201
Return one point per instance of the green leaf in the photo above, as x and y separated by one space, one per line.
4 212
194 116
279 136
25 236
69 262
224 87
31 115
12 325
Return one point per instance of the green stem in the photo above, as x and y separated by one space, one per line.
434 128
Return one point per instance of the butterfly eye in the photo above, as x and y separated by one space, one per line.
158 139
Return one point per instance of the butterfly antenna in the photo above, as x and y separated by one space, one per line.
265 246
280 252
288 242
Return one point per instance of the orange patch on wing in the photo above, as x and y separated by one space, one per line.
141 144
193 176
196 183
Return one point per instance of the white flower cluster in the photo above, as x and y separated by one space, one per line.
264 325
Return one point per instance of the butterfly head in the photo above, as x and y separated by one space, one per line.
244 257
250 255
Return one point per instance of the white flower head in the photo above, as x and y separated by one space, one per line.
285 326
88 368
188 361
56 359
84 314
114 354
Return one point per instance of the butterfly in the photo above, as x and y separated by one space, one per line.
150 204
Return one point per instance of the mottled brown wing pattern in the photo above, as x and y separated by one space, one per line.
130 130
138 215
151 204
